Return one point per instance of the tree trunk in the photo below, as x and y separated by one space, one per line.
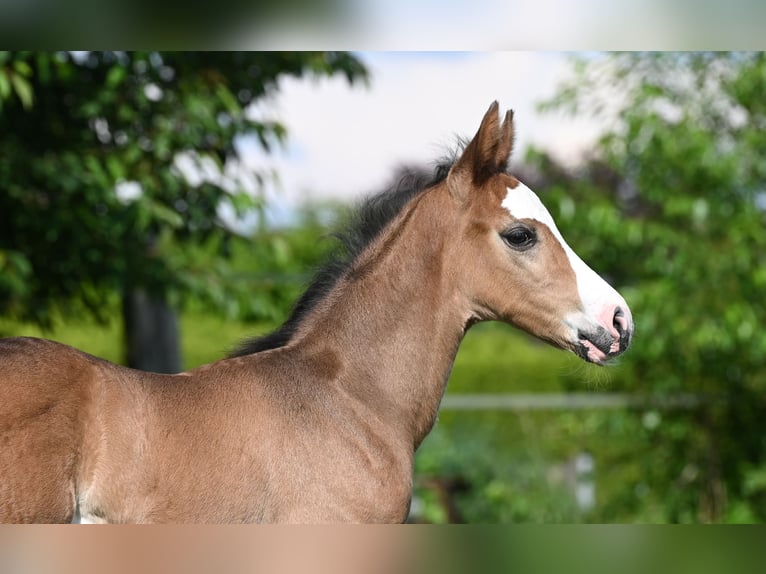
151 333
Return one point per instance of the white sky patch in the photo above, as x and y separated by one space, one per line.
128 191
346 141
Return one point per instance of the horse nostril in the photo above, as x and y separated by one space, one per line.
619 321
622 326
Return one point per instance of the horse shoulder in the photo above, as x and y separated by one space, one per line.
335 458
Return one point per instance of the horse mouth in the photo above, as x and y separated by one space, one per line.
600 346
589 352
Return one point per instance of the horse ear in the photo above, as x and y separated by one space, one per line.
486 155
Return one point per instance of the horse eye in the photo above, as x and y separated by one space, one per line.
519 238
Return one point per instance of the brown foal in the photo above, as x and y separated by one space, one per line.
318 422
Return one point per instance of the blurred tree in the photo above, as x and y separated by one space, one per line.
114 171
672 207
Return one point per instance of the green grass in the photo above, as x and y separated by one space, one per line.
205 337
104 341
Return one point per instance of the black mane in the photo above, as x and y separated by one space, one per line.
371 217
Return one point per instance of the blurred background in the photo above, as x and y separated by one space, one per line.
158 207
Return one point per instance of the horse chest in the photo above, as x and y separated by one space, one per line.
345 479
355 500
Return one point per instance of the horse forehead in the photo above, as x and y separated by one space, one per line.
523 203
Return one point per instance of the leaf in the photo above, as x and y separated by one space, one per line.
116 76
227 98
5 85
22 68
23 90
21 262
95 169
115 167
164 214
242 202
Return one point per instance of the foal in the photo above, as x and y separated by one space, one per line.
319 421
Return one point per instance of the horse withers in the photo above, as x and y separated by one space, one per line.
318 421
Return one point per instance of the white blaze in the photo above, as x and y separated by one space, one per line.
595 293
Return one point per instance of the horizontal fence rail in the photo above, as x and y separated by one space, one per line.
569 401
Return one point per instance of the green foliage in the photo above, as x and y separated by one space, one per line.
93 197
486 363
501 460
261 277
672 209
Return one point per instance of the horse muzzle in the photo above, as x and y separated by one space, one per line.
607 337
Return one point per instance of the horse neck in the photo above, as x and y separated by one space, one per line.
395 319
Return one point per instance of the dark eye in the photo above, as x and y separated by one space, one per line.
519 238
